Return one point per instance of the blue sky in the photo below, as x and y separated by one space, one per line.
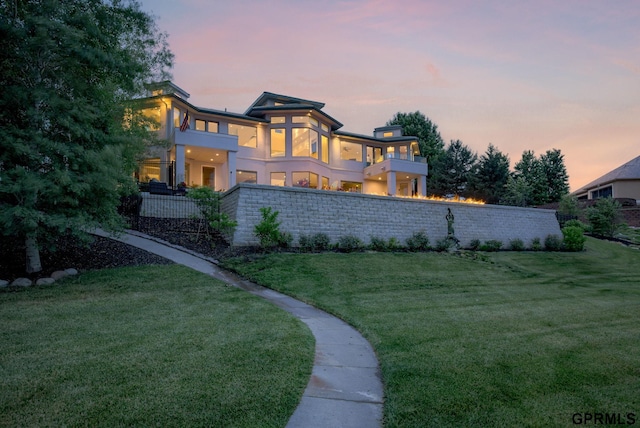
522 75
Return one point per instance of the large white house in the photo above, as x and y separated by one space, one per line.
279 140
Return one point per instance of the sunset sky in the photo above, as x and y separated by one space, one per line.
522 75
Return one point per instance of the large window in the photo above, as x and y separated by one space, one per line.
176 117
212 126
350 151
325 149
305 179
247 135
277 142
351 186
201 125
307 120
278 178
605 192
305 142
246 177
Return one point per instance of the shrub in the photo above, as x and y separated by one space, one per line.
285 240
320 242
576 223
208 202
474 245
552 243
573 238
378 244
535 244
605 217
491 245
393 244
349 244
268 230
304 243
419 241
444 244
516 245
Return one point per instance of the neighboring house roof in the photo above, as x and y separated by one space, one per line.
628 171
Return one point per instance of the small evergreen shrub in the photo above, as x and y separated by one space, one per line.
304 243
419 241
474 245
393 244
320 242
516 245
285 240
349 244
536 245
573 238
444 244
378 244
552 243
491 245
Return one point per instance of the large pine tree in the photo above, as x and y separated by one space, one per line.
66 154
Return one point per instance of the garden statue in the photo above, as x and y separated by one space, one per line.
449 217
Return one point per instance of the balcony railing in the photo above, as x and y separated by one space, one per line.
400 156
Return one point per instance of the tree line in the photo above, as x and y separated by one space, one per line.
455 170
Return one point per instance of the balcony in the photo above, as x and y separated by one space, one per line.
400 163
209 140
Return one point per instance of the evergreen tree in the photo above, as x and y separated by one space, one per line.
452 170
490 181
555 173
529 170
66 154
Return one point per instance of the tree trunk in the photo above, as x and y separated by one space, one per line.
33 255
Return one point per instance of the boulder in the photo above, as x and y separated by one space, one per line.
22 282
59 274
71 271
45 281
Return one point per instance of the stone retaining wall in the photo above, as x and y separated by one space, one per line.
309 211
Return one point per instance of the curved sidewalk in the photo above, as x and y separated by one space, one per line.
345 389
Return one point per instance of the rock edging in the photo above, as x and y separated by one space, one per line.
26 282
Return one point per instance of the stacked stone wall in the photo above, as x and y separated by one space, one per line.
337 214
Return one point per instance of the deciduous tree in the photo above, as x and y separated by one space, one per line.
418 125
66 70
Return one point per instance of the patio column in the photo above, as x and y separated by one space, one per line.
179 163
391 183
422 185
231 162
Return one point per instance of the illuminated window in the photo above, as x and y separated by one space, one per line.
152 118
387 134
391 152
404 152
150 169
176 117
351 186
304 142
300 119
277 142
325 128
278 178
313 121
277 119
200 125
246 177
212 126
325 149
350 151
247 135
305 179
325 183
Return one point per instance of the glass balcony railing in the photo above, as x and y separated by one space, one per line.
401 156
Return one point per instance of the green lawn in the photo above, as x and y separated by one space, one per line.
148 346
484 339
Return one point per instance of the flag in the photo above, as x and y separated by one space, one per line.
185 122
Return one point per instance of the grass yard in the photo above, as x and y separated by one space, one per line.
148 346
484 339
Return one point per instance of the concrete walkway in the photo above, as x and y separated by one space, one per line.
345 388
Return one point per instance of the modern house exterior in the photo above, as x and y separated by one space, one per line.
279 140
620 183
